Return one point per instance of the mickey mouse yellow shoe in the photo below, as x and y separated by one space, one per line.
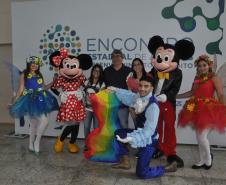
59 145
73 148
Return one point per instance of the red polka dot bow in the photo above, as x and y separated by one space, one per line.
63 55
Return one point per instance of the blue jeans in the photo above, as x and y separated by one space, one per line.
87 122
143 170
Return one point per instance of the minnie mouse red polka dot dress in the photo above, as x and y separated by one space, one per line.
72 107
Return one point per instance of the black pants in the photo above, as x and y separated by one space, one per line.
73 130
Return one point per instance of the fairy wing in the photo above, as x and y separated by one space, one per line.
15 75
222 75
214 68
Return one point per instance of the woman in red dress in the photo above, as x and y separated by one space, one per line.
202 111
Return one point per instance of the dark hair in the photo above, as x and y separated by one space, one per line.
101 77
27 71
148 79
143 69
117 52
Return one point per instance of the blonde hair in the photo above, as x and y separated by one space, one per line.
207 60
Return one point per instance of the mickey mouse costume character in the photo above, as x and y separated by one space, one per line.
168 79
72 110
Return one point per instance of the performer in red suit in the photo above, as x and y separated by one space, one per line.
168 81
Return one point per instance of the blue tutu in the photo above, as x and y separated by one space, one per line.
34 104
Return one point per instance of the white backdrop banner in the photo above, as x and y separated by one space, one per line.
96 27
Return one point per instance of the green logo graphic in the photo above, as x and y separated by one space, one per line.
188 23
59 37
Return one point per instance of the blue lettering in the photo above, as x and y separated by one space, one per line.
113 43
126 45
142 42
104 57
171 40
106 46
89 44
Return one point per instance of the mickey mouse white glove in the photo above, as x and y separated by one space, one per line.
161 98
112 88
125 140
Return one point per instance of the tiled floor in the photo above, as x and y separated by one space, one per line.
20 167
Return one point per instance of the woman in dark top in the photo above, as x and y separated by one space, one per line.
138 71
93 85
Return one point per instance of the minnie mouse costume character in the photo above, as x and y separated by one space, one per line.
72 110
168 79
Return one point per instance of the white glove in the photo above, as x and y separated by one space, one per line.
125 140
79 94
63 97
112 88
140 105
161 98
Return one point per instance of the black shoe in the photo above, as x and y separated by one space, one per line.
195 166
172 158
157 154
207 167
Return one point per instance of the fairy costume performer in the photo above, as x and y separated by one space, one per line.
202 111
34 101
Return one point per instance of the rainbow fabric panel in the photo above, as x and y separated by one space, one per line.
100 142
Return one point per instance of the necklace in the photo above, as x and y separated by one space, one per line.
202 78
